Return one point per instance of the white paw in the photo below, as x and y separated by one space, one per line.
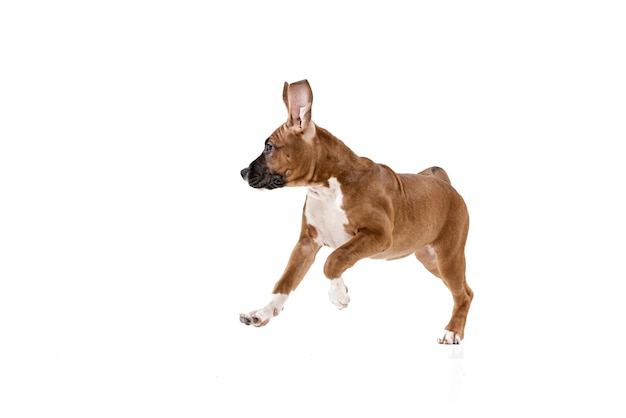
338 293
449 337
258 318
262 316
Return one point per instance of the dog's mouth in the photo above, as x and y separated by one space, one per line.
262 180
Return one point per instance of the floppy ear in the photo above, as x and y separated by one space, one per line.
298 98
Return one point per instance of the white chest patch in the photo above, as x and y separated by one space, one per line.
324 211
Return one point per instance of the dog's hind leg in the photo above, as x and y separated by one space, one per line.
452 269
449 266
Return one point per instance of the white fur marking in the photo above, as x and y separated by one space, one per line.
277 302
449 337
338 293
324 212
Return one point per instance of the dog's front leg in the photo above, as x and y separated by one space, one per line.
301 259
365 243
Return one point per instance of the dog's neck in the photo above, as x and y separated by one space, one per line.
335 159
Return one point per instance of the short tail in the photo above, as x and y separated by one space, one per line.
437 172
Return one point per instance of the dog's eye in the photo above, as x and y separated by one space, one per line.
268 148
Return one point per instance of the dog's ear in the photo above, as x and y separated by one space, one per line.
298 98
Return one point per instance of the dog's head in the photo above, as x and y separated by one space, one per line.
288 157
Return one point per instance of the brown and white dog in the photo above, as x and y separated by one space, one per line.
360 209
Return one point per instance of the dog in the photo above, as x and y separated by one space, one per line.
360 209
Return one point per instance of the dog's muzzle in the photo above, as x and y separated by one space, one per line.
260 178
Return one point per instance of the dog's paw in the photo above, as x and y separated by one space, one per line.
262 316
256 318
449 337
338 293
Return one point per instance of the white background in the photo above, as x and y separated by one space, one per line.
129 243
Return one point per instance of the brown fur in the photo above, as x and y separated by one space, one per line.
389 215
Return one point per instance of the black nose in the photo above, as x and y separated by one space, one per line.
244 173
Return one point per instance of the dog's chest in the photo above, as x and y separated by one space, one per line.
323 210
